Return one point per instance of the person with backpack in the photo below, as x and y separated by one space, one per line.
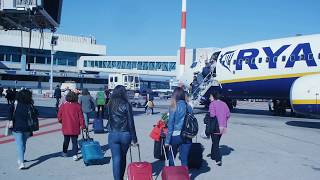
177 113
21 128
220 110
121 130
100 101
71 117
87 105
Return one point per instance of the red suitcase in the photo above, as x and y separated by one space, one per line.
174 172
139 170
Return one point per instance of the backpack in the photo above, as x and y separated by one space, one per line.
33 121
190 126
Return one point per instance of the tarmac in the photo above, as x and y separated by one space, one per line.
257 146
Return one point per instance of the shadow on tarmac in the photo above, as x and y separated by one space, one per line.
224 150
43 158
157 167
252 111
313 125
203 169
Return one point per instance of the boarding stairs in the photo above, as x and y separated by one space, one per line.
207 82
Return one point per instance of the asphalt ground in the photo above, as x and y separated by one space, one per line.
257 146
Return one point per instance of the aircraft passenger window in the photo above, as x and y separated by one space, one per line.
291 58
115 79
111 79
125 79
267 59
85 64
260 60
310 57
283 58
275 59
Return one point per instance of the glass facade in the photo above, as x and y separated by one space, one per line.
138 65
38 56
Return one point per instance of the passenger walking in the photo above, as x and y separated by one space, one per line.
122 130
87 105
71 117
107 93
220 110
9 95
57 95
1 91
100 101
14 94
20 117
177 114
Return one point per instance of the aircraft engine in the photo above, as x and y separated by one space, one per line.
305 95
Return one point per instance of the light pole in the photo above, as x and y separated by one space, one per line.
54 40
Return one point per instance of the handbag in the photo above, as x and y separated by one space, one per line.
8 128
212 125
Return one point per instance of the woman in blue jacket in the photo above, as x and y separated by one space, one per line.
177 113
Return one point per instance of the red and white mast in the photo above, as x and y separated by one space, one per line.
183 39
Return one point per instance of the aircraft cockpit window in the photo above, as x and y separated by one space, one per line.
215 56
283 58
267 59
260 60
310 56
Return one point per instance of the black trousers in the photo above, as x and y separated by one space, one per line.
215 151
100 113
74 139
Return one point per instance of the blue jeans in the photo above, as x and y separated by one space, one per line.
119 143
86 119
21 140
184 147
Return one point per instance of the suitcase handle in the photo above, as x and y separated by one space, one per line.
131 145
85 136
165 153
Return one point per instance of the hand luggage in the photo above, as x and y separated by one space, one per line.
98 126
90 150
158 152
174 172
139 170
195 156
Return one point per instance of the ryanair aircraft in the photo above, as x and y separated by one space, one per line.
285 70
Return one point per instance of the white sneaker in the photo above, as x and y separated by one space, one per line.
75 157
21 165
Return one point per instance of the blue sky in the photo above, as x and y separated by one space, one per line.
152 27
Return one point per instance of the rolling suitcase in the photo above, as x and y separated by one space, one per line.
98 126
195 156
90 150
174 172
139 170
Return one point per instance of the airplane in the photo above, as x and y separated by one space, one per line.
285 70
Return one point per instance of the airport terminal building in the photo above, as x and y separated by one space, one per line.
25 63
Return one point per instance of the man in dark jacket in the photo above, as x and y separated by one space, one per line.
57 95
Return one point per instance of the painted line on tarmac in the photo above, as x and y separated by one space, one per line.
40 126
34 135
